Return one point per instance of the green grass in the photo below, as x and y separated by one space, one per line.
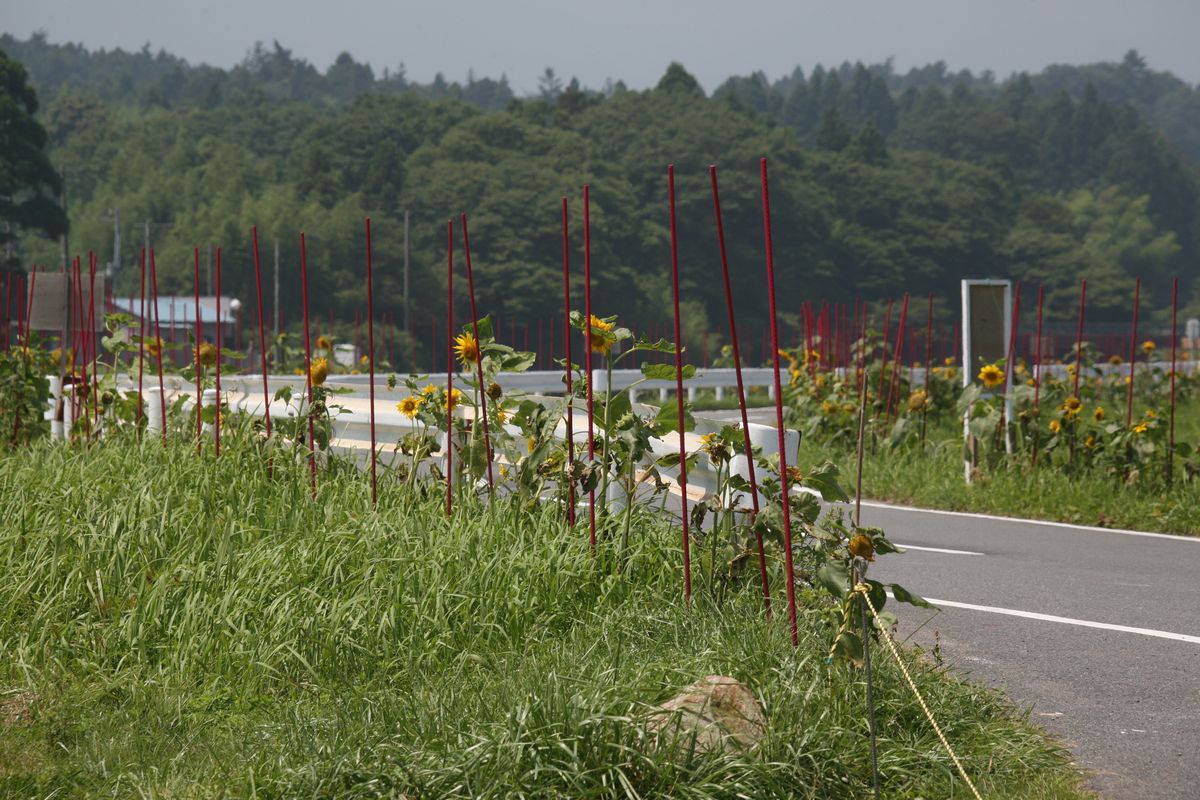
200 628
934 479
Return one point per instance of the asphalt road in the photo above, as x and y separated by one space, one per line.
1126 698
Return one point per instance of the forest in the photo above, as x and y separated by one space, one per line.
882 183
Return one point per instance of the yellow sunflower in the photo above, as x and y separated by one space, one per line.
324 343
409 406
365 360
991 375
917 400
948 361
1090 442
1148 346
154 346
1141 427
828 408
1098 414
429 391
206 354
466 348
601 344
1115 360
1072 405
319 371
453 398
1054 426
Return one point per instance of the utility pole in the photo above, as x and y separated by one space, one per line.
406 328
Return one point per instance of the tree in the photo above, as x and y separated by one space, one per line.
28 183
678 80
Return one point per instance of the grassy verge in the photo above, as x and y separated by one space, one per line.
184 627
934 479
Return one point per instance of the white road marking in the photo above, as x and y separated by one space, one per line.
1122 531
1083 623
939 550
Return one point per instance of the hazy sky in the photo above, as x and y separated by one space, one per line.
634 40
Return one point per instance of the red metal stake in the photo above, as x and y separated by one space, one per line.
1137 291
371 358
1171 423
262 341
449 364
483 397
687 558
783 469
312 455
141 338
567 362
199 339
162 396
737 369
1079 337
587 347
217 425
897 358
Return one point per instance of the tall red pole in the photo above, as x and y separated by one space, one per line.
217 425
141 337
91 332
483 396
371 357
1010 360
1037 357
587 347
199 339
449 364
687 559
1079 337
1171 423
898 358
1137 291
162 396
312 455
784 486
887 324
262 341
567 362
737 370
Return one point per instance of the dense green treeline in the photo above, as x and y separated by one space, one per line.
881 183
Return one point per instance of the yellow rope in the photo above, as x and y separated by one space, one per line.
864 590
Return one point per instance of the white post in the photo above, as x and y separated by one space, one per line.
154 418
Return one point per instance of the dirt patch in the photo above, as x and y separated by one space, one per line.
16 708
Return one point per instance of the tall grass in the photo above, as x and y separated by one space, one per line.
194 627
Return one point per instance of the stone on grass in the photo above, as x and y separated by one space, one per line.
714 713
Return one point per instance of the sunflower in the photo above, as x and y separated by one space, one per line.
365 360
409 406
297 371
991 375
794 475
429 391
494 390
466 348
206 354
1098 414
1054 426
154 346
918 400
948 361
601 344
324 343
501 415
1072 405
1141 427
861 546
828 408
1116 360
951 373
1090 442
717 451
453 398
1148 346
319 371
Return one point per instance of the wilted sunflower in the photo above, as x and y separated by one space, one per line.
991 375
494 390
466 348
601 344
861 546
1072 405
324 343
409 406
717 451
918 400
319 371
206 354
794 474
1098 414
1054 426
1148 346
951 373
1115 360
